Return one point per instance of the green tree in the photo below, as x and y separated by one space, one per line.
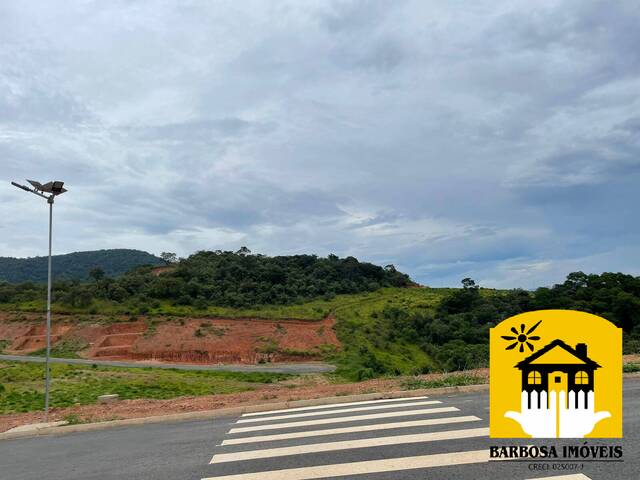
96 273
169 257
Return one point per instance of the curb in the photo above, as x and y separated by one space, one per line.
235 411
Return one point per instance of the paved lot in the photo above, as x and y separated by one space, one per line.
293 368
416 438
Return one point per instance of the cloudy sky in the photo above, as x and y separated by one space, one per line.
493 139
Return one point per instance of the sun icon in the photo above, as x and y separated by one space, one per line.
522 338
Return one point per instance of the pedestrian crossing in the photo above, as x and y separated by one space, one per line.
338 411
355 418
362 428
410 437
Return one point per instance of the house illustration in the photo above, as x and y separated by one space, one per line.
558 366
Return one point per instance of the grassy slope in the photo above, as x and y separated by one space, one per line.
313 310
358 328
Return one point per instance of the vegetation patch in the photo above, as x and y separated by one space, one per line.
455 380
67 348
413 331
631 367
78 384
296 352
267 345
207 328
74 419
152 327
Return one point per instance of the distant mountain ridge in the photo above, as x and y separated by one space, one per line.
75 266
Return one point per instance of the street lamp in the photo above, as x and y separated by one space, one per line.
54 189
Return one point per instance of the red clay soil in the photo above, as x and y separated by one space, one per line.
157 271
310 386
188 340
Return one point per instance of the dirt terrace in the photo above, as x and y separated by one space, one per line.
187 340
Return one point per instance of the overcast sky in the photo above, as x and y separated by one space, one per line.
493 139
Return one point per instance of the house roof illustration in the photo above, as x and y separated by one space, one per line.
559 353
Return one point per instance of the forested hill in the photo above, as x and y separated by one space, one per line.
75 265
242 279
216 278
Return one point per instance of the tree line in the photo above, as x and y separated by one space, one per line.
222 278
74 266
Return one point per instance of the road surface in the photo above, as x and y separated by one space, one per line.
292 368
441 438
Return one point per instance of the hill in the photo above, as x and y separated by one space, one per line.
239 279
382 326
74 266
389 331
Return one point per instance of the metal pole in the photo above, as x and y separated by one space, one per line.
47 371
53 188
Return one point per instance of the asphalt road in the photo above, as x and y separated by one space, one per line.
292 368
314 442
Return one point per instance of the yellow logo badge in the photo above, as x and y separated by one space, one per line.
556 374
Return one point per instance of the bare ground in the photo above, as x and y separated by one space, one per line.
206 340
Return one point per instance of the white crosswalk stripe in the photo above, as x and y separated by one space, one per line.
369 466
369 436
333 405
341 410
575 476
350 444
355 418
360 428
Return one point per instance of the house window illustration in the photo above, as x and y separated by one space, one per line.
582 378
542 371
534 378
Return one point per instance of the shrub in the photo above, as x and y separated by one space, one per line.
445 381
143 308
631 367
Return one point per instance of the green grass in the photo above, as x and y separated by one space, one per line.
631 367
67 348
455 380
359 326
21 384
73 419
312 310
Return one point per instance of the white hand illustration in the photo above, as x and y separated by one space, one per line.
578 422
537 422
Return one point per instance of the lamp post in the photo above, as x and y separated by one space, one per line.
54 189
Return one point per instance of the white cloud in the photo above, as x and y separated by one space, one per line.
492 139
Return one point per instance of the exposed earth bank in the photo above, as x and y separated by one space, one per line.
182 340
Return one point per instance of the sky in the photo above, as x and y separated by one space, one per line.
497 140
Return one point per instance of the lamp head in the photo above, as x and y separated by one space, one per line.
55 187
